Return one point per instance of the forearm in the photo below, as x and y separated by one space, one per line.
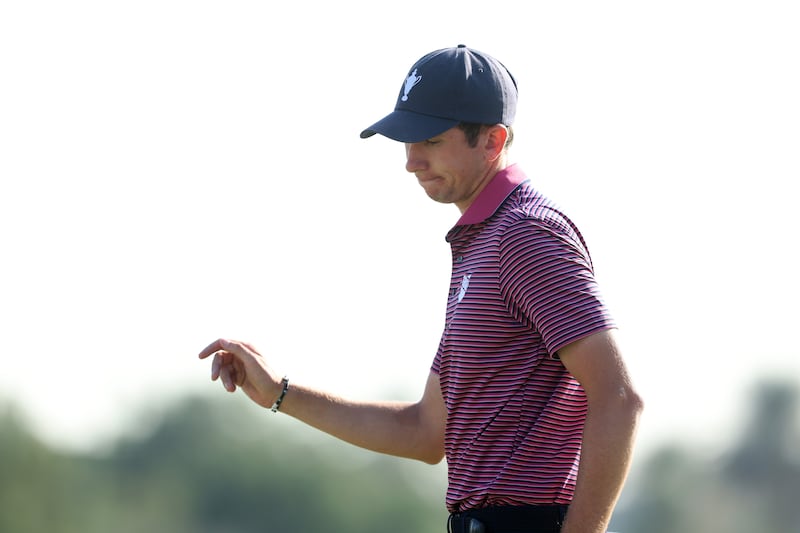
606 456
404 429
393 428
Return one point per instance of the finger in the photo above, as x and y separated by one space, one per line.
211 349
236 348
228 380
216 364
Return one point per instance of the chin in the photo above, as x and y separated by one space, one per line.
439 198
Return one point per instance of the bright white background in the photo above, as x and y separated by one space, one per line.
174 171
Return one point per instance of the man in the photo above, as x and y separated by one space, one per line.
528 396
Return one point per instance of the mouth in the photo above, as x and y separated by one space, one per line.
426 179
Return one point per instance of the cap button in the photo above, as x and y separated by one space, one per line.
462 45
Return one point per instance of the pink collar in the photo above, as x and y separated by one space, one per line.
490 198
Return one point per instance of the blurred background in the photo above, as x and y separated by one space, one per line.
172 172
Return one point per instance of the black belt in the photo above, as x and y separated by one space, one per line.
509 519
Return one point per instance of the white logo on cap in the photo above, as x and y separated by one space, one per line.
412 80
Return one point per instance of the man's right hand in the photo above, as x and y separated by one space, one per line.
239 365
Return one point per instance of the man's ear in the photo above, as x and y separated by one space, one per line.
496 137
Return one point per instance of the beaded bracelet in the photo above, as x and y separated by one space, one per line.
277 404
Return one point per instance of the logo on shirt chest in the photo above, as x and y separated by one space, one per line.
464 286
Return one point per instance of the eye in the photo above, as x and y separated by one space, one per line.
432 142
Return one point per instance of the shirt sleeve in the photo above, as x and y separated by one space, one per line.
547 280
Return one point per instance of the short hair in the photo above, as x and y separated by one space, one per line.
472 130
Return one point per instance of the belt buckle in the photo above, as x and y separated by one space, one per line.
473 525
465 524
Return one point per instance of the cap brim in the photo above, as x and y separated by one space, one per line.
409 127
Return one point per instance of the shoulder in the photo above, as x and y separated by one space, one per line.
528 209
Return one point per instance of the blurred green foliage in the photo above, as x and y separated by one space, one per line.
225 466
752 485
214 466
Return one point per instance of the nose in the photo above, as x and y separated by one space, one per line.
415 160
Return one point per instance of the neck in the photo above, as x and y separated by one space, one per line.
497 165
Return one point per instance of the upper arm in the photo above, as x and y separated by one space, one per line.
597 363
609 432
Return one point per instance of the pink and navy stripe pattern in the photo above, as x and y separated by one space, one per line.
522 287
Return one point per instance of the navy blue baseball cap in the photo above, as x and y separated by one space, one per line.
447 87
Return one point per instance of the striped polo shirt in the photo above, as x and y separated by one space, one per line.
522 287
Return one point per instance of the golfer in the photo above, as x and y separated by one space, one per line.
528 398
